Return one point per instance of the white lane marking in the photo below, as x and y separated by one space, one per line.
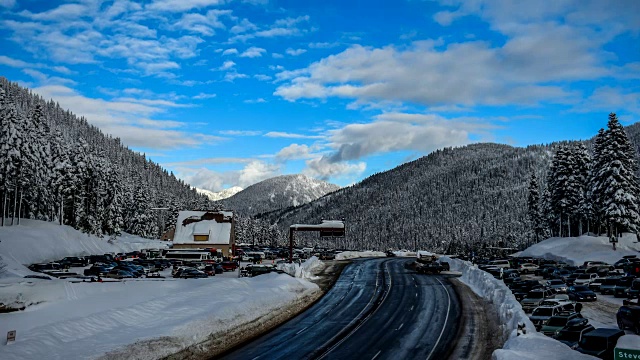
445 320
376 355
411 308
257 357
303 329
400 327
416 294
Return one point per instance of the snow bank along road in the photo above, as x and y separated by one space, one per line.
377 309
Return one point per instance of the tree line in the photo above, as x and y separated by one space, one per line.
588 191
55 166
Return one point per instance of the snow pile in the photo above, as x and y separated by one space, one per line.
405 253
531 345
36 241
304 270
133 319
577 250
358 254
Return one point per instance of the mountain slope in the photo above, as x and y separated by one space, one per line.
276 193
446 200
450 200
217 196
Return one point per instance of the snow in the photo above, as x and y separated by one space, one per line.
534 345
577 250
219 233
358 254
137 318
629 342
152 318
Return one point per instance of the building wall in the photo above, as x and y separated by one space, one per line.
222 248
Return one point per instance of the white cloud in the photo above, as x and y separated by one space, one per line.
295 52
227 65
294 152
231 51
241 132
202 24
325 169
244 26
277 56
7 3
282 27
611 99
204 96
255 101
469 73
231 76
253 52
254 171
278 134
262 77
182 5
127 118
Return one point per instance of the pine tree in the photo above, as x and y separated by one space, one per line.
615 183
533 206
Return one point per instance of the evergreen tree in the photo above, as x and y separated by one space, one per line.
533 206
615 183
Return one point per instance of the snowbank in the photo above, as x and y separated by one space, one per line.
359 254
577 250
304 270
531 345
132 319
36 241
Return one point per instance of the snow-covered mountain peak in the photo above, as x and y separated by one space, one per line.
217 196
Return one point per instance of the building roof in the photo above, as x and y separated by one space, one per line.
219 232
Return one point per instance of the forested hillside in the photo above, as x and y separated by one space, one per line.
451 200
452 197
55 166
277 193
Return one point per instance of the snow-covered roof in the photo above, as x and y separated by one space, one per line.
219 232
326 224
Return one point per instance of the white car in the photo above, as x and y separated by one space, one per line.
585 279
527 268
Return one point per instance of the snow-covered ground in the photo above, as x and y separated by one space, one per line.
139 318
151 318
359 254
533 345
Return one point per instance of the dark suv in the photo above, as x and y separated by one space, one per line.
572 333
600 342
628 317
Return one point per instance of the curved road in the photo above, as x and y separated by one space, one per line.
377 309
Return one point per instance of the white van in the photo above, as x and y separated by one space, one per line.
500 263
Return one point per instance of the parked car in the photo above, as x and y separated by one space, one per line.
608 284
209 270
557 285
45 267
540 315
256 270
528 268
628 317
581 293
622 286
119 274
534 298
229 265
74 261
191 273
600 342
96 270
634 289
595 283
557 322
626 260
572 333
585 279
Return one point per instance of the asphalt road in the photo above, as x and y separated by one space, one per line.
377 309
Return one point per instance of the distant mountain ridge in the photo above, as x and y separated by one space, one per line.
217 196
277 193
450 200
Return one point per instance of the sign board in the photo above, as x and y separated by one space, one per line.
620 354
332 233
11 336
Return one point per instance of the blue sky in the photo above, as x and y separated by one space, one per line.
228 93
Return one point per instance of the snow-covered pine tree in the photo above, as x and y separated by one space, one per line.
533 206
614 181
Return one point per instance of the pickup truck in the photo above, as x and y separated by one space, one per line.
430 268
